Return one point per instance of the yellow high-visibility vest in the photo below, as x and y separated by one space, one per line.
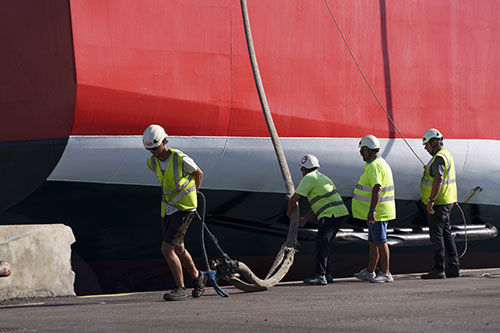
323 197
179 190
448 193
386 208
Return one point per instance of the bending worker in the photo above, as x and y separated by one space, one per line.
373 202
438 190
180 178
327 206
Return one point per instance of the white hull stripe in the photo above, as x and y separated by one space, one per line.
249 164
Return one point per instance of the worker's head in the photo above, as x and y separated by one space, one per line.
369 147
308 163
432 141
154 139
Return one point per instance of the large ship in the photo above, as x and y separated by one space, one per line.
82 79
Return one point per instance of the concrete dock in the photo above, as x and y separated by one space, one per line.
409 304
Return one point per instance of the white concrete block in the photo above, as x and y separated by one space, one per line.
40 258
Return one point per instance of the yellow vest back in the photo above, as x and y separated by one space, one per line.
323 197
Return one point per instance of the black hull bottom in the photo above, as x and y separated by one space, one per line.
118 234
25 165
150 275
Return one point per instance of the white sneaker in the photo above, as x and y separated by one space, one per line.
381 278
364 275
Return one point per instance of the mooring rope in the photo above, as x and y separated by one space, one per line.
368 83
284 259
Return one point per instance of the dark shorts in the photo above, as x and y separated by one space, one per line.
377 232
175 226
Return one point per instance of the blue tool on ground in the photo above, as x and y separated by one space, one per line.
213 280
211 274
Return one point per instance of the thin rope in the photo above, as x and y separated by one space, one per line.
465 228
394 124
477 189
368 83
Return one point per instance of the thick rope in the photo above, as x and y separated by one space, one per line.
256 284
284 259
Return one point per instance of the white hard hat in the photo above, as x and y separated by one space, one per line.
369 141
153 136
430 134
309 161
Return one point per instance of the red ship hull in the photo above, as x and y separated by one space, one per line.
37 93
185 64
84 78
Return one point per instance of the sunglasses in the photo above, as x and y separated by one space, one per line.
153 149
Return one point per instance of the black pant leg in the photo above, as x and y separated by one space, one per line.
327 230
449 241
436 226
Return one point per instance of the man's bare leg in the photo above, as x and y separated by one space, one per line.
186 260
174 263
373 258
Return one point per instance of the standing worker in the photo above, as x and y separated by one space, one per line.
438 190
373 202
327 206
180 178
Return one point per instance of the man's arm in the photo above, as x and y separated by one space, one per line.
198 177
189 166
303 220
292 203
376 192
437 184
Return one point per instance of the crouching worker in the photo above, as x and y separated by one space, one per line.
180 178
327 206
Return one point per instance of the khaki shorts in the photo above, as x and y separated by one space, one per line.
175 226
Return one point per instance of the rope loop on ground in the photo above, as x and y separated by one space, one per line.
232 270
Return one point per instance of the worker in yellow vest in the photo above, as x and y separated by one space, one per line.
180 178
326 206
438 190
373 201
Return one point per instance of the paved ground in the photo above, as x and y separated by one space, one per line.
409 304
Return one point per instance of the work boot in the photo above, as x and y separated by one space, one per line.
329 278
453 273
434 274
199 285
177 294
316 280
